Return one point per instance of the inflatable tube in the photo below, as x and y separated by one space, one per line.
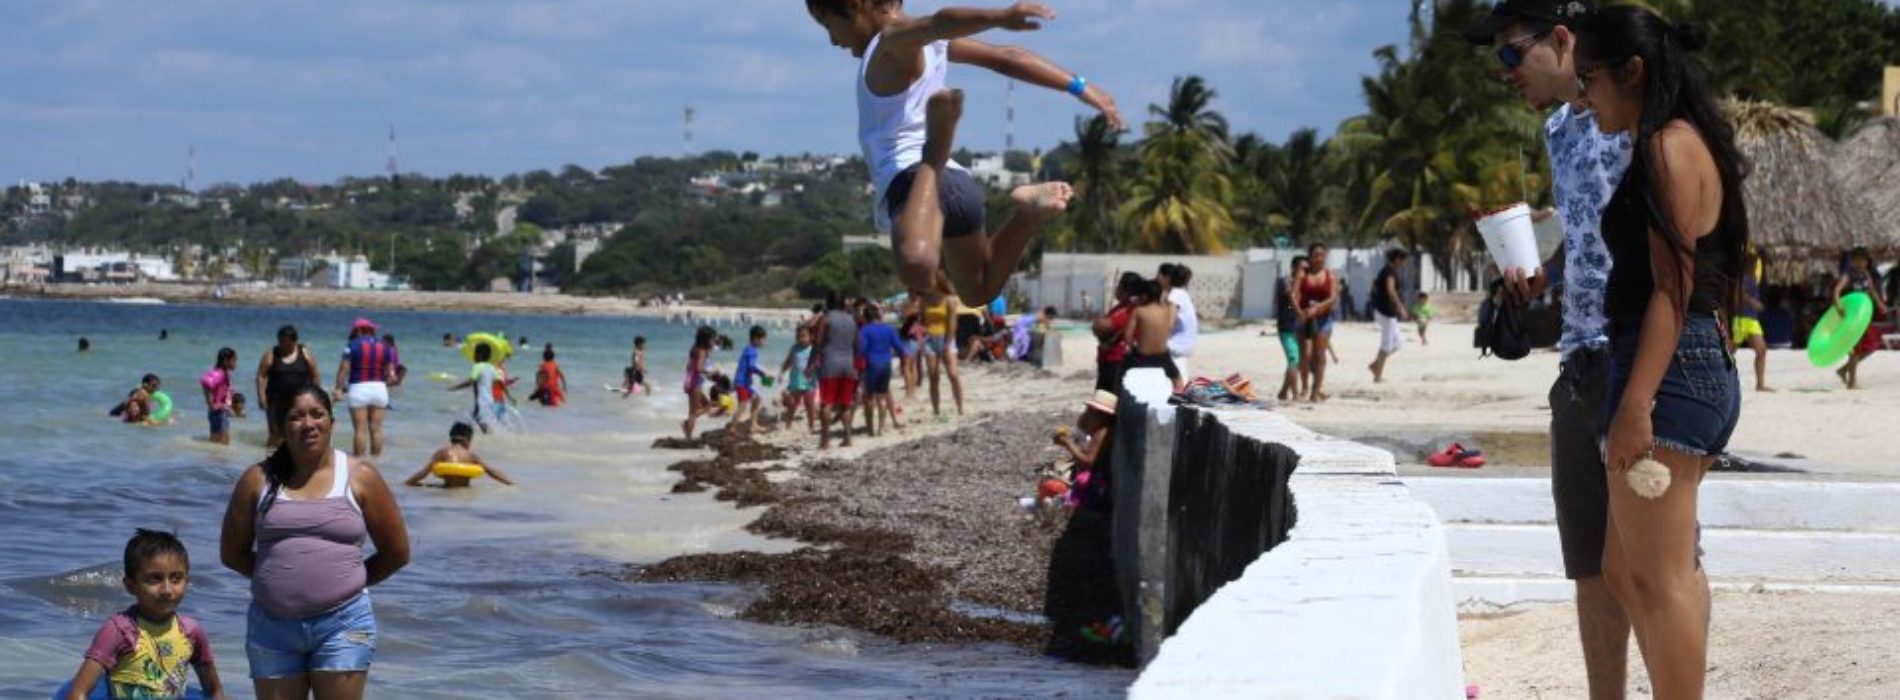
99 691
1835 335
441 377
162 405
461 469
499 348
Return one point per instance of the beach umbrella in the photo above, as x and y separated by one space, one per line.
1870 164
1801 213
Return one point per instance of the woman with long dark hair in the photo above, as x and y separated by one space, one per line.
1677 229
295 527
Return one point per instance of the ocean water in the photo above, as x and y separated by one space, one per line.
502 598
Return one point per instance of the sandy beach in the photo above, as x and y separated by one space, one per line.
1760 647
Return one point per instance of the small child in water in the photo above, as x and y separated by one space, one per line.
460 450
144 651
237 405
1147 335
636 375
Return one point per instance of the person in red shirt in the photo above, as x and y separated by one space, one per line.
1109 331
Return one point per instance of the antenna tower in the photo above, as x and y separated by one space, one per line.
390 162
687 144
1009 133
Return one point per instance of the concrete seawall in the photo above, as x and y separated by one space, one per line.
1352 597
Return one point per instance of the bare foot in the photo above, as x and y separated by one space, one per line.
1042 201
941 114
1764 390
1842 373
1376 375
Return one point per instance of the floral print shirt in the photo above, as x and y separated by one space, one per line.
1586 166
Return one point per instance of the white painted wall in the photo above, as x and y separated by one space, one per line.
1357 603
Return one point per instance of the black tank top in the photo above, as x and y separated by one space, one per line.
1626 234
283 377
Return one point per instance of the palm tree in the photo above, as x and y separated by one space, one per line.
1294 184
1179 200
1188 112
1098 177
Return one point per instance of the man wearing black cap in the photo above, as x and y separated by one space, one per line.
1533 43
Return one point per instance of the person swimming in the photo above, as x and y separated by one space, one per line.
460 450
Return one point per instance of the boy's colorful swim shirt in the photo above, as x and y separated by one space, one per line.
149 660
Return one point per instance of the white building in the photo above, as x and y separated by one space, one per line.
989 170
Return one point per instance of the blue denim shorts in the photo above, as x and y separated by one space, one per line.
341 640
1700 398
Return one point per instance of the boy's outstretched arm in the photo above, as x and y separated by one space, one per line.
1029 67
958 22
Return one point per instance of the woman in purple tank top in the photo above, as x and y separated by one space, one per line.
295 527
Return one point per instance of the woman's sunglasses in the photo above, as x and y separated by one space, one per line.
1512 54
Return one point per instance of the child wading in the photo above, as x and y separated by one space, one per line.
460 450
907 120
146 651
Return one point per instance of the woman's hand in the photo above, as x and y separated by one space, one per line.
1632 438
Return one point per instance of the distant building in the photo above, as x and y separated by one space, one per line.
854 243
990 170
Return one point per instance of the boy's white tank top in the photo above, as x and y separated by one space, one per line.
891 128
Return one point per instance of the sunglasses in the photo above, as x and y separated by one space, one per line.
1585 75
1512 54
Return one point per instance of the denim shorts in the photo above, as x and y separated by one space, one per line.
339 641
220 419
1700 398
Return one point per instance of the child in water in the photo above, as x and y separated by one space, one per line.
637 372
1147 335
145 651
550 386
137 407
907 125
237 405
460 450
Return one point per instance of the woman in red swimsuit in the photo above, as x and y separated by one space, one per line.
1314 293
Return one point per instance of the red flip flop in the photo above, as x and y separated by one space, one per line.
1455 455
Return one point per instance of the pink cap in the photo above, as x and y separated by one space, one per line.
362 323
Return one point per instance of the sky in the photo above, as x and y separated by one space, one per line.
123 89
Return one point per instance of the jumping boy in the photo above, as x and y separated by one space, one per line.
907 119
460 450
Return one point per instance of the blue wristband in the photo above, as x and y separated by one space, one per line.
1077 85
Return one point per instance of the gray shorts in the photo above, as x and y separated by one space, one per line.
957 195
1578 482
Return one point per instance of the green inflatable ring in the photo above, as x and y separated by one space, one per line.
1835 335
161 406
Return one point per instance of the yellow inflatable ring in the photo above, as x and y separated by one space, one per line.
457 469
498 347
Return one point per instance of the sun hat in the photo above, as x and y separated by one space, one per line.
1104 401
362 323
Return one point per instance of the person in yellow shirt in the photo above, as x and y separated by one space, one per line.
144 651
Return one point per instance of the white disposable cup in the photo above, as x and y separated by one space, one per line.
1511 238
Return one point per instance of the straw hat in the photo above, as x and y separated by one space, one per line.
1104 401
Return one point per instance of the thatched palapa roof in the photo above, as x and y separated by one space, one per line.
1870 163
1802 214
